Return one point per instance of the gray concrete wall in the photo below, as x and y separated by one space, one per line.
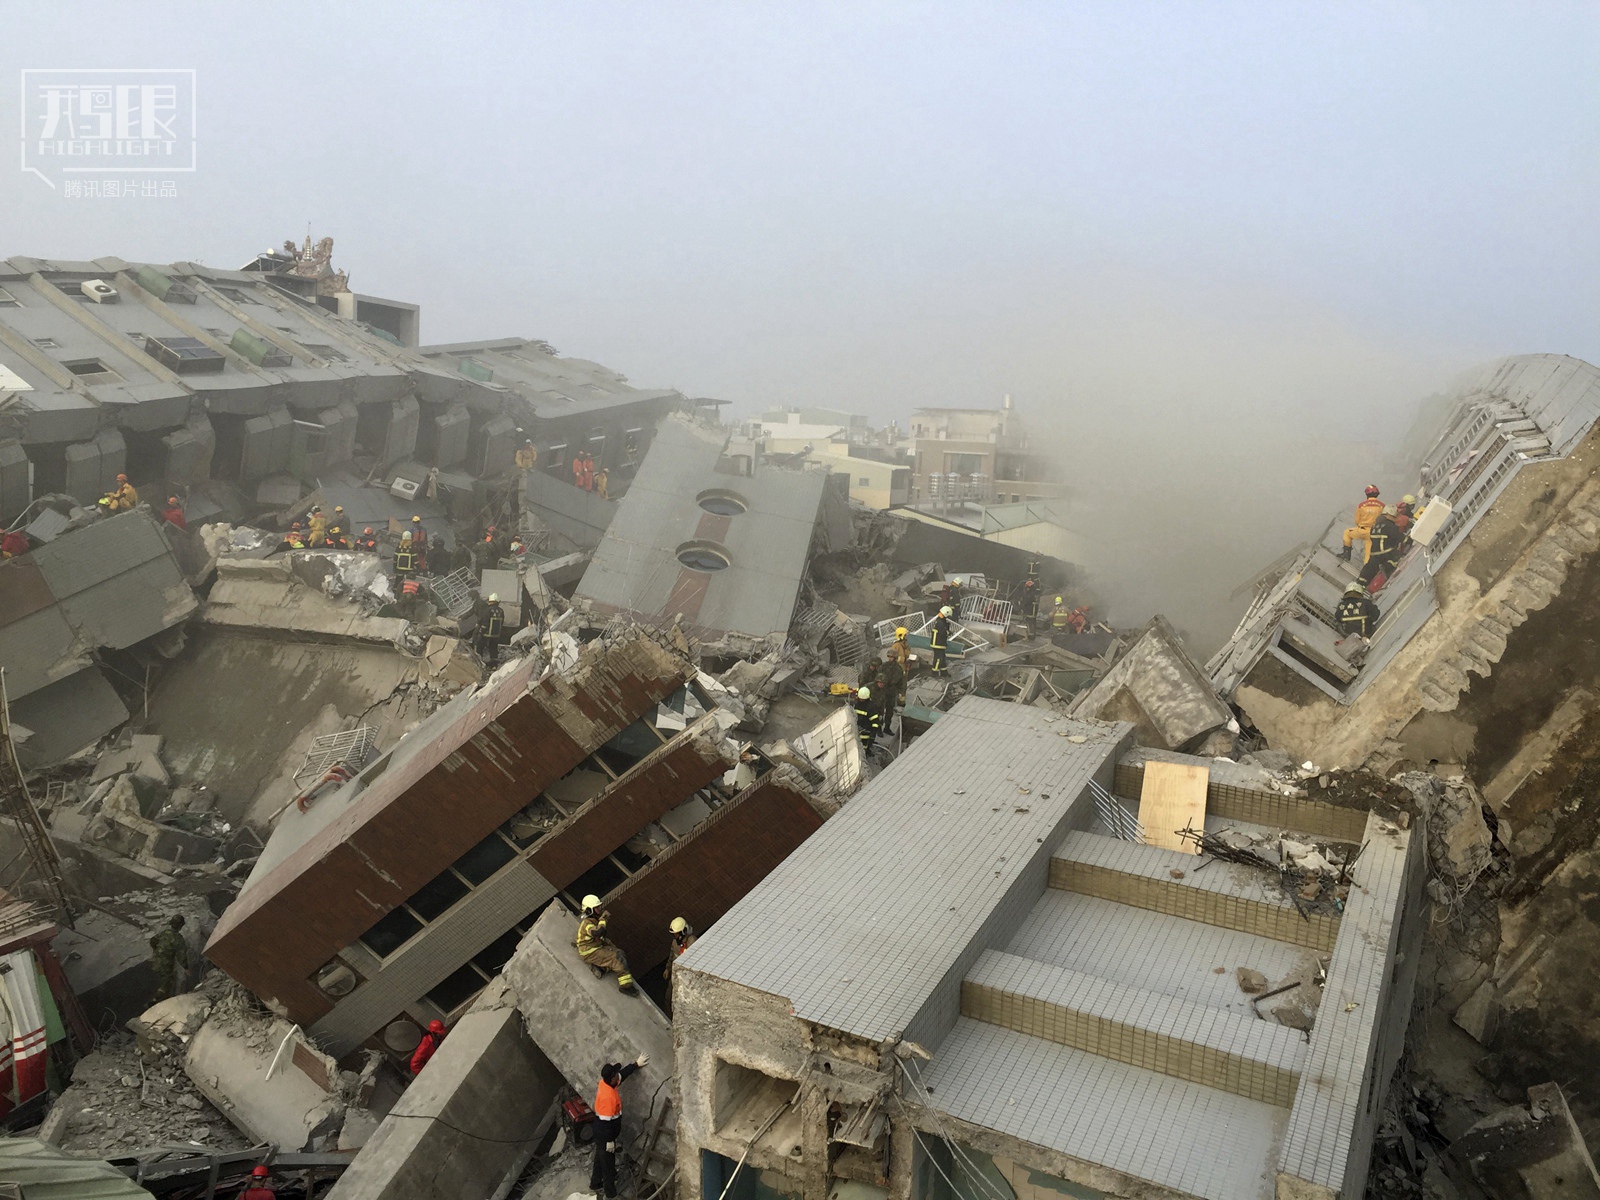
267 441
581 516
92 466
459 1127
714 1020
401 440
15 491
581 1022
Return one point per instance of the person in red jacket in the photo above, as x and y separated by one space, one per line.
425 1048
259 1188
172 514
14 543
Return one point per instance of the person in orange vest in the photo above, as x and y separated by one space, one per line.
1367 512
259 1188
608 1123
577 470
588 471
425 1048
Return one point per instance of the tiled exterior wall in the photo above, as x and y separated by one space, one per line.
1329 1138
1272 809
443 946
1283 924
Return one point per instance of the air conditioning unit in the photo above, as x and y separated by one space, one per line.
99 291
405 489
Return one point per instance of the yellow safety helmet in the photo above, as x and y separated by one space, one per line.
591 902
900 634
1058 600
1408 499
678 925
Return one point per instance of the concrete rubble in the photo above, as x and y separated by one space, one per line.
377 809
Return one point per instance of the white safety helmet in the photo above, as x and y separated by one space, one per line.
864 693
591 903
947 611
494 597
958 581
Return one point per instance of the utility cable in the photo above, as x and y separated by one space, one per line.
985 1186
749 1146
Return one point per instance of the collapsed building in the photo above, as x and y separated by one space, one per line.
528 788
976 980
179 374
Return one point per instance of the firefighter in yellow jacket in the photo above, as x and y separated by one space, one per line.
599 951
123 497
1367 512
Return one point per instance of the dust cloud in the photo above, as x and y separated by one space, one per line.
1206 428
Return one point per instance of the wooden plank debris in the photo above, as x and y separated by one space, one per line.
1173 798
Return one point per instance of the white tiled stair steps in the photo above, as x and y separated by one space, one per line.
1259 1060
1166 881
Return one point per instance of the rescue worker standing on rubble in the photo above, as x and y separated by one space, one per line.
425 1048
490 630
867 718
608 1124
259 1188
599 951
339 529
601 483
169 958
683 937
891 684
1405 513
950 596
1383 549
939 639
1368 511
440 560
1356 613
405 561
900 651
318 523
527 457
1060 616
1030 594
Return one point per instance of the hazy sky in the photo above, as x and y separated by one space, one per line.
1165 229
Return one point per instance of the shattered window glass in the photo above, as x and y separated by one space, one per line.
457 989
392 932
484 859
437 895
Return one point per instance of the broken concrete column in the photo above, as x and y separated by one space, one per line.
465 1121
267 1079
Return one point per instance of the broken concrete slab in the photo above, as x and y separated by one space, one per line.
464 1121
1480 1012
264 595
1533 1153
141 757
1160 689
581 1023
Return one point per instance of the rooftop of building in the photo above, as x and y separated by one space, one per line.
553 385
874 914
723 552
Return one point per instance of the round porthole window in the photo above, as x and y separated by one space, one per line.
722 502
336 979
704 556
401 1036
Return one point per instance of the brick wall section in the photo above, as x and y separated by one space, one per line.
706 873
1129 873
411 822
1273 809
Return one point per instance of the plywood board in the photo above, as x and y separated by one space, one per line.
1173 798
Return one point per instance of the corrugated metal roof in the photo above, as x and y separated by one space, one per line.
47 1173
858 926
